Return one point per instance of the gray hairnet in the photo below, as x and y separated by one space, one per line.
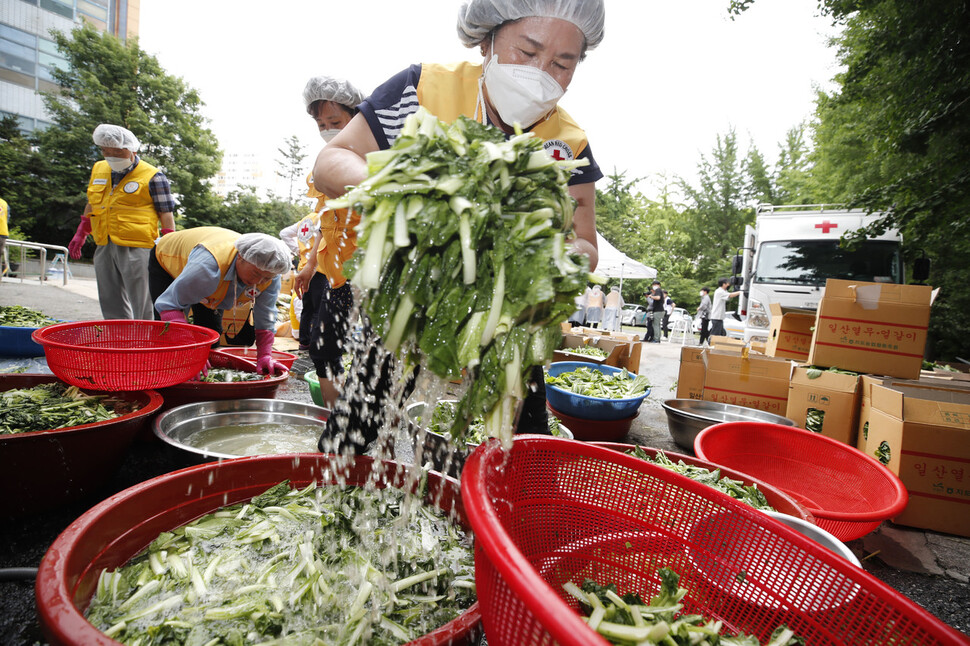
110 136
264 251
478 17
328 88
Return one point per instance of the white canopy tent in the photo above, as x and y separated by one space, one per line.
613 263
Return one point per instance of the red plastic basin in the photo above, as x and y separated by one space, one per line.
286 358
45 469
849 493
117 529
603 430
189 392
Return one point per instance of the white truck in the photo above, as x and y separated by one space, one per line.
791 251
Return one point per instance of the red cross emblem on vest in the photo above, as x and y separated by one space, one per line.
826 226
305 229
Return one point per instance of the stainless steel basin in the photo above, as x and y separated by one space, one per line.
688 417
177 426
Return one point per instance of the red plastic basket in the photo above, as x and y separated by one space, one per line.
124 354
115 530
849 493
552 510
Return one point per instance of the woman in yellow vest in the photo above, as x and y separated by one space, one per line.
127 200
531 49
211 269
327 299
4 233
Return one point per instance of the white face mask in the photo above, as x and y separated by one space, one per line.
701 293
118 164
520 93
329 134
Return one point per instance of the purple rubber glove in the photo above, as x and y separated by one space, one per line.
83 229
173 315
265 364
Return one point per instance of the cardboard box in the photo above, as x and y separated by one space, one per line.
831 396
926 434
875 328
618 352
866 382
690 380
735 345
754 381
790 334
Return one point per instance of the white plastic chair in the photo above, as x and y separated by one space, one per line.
685 326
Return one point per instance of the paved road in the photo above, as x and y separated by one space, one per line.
931 568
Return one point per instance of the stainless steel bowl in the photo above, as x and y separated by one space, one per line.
688 417
817 534
177 426
444 456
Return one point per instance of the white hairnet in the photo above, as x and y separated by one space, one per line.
110 136
328 88
264 251
478 17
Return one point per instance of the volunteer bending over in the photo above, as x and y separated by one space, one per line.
210 270
531 50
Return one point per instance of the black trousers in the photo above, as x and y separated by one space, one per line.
705 331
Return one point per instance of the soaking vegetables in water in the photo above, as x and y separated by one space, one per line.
628 621
462 258
342 565
52 406
593 383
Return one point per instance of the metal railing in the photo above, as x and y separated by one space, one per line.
42 248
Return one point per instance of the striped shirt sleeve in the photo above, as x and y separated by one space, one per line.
390 104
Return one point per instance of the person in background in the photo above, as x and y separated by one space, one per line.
719 308
655 307
611 313
531 50
4 233
127 200
668 310
578 318
210 270
704 314
594 306
327 298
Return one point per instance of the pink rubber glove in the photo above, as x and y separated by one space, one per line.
165 232
173 315
265 364
83 229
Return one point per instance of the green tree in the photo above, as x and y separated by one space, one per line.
291 163
244 212
719 209
895 136
792 178
22 173
110 81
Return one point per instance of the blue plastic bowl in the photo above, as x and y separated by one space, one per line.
584 406
16 342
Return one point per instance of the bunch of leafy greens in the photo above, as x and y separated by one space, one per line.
443 417
749 494
628 621
330 564
51 406
595 383
226 375
20 316
589 351
462 258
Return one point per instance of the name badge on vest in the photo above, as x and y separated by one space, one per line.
101 181
131 187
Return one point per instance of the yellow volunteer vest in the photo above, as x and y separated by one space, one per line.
173 250
338 241
306 231
449 91
4 231
312 192
125 213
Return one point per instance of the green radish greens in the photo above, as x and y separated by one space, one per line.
594 383
329 564
52 406
20 316
628 621
462 258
